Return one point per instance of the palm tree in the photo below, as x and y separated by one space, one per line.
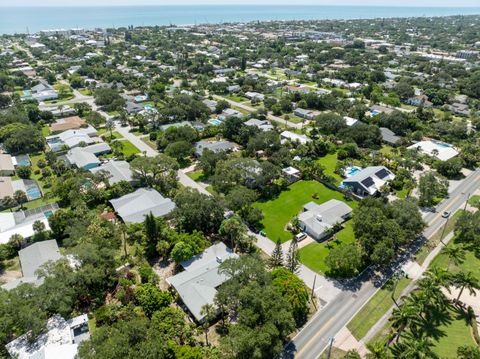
209 312
455 254
402 318
378 350
415 348
464 281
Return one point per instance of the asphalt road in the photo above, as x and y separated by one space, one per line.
314 338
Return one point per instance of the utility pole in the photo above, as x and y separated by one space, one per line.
444 227
313 292
330 348
466 202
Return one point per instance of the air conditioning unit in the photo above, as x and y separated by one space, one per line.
319 217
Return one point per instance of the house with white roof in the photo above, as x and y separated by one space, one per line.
368 181
71 138
21 222
133 207
440 150
61 340
294 137
197 284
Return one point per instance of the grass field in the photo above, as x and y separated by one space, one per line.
197 175
435 239
474 201
329 162
375 308
128 148
280 211
236 98
314 254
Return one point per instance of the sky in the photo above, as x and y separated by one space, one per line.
433 3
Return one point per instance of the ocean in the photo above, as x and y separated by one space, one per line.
34 19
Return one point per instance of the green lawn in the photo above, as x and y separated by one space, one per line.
295 119
281 210
329 162
85 92
402 193
237 98
150 143
474 201
375 308
197 176
453 334
433 241
45 131
314 254
128 148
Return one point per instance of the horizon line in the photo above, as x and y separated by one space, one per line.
240 4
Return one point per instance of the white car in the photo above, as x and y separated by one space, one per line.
300 236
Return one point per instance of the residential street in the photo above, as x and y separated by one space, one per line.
314 338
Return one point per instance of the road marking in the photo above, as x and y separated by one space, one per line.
312 338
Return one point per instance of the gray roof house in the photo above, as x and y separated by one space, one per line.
213 146
117 170
389 137
368 181
31 259
197 284
133 207
262 125
81 158
317 219
59 341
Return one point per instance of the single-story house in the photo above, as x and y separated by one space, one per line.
62 111
61 340
233 88
440 150
68 123
350 121
133 207
214 146
41 92
420 100
197 284
378 109
291 174
254 95
211 104
21 222
306 114
31 259
71 138
81 158
262 125
368 181
389 137
117 170
294 137
229 112
317 219
132 107
7 167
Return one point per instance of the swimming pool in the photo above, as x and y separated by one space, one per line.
351 171
215 122
22 160
48 214
442 144
33 193
140 98
148 107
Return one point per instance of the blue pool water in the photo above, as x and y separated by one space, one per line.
48 214
33 193
352 171
215 121
148 107
443 145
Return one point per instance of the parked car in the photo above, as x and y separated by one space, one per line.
300 236
446 214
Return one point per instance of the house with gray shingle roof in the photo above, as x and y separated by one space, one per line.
317 219
213 146
31 259
117 171
197 284
133 207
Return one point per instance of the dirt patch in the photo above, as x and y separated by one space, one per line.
164 269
